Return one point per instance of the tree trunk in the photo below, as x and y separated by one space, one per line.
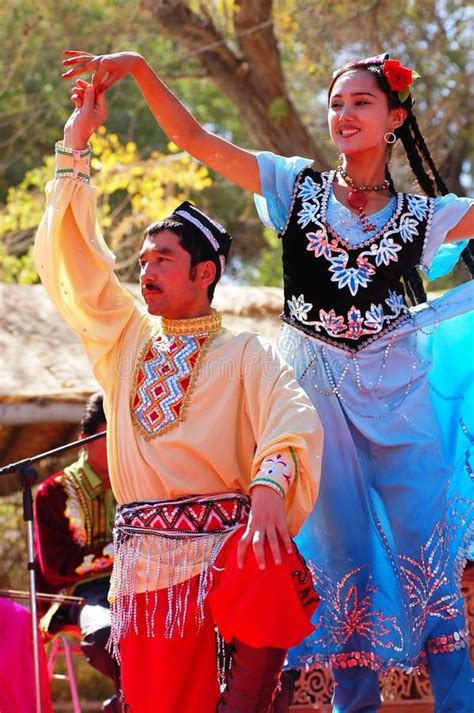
252 78
451 168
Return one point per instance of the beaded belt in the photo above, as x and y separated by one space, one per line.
169 541
190 516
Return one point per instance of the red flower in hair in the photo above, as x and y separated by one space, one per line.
398 76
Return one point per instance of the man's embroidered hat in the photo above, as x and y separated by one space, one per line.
212 231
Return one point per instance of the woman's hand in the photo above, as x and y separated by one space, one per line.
238 165
90 111
106 69
267 521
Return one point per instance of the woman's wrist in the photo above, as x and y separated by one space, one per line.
138 64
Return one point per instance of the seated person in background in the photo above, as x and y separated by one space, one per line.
74 515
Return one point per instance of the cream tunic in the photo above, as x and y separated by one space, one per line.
244 406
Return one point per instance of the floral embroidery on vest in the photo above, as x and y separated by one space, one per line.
353 325
382 252
348 294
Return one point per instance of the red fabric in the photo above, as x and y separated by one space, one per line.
17 679
160 675
270 607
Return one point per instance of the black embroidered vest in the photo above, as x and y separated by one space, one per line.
338 293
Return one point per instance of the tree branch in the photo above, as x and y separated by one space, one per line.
252 79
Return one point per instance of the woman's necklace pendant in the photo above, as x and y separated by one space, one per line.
357 199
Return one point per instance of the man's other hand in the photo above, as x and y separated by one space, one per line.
267 522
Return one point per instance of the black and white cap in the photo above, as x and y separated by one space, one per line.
212 231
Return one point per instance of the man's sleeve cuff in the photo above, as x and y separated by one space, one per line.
277 471
72 163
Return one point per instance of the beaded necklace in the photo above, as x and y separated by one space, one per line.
357 197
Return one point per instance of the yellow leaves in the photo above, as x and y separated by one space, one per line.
285 19
108 151
25 202
132 192
172 148
17 268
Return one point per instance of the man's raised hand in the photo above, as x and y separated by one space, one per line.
90 111
106 69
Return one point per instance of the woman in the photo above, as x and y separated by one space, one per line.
390 532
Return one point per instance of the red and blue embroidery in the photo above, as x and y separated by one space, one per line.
163 380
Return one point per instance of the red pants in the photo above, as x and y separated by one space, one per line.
270 607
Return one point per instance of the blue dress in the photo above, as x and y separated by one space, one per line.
390 533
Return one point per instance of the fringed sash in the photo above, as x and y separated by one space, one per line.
187 535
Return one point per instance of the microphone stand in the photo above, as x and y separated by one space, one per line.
28 477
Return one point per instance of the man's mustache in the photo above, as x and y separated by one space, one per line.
151 287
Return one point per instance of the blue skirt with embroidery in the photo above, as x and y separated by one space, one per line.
393 525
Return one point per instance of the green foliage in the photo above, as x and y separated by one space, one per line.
269 269
278 109
34 100
132 192
314 37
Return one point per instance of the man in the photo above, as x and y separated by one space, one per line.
74 515
199 419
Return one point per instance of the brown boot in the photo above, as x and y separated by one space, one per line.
252 680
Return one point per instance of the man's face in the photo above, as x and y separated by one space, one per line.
169 286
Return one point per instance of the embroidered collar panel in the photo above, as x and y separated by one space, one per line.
208 324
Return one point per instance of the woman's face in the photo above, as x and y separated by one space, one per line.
359 115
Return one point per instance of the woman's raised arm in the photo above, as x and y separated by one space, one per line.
234 163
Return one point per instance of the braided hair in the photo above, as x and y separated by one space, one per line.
419 157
